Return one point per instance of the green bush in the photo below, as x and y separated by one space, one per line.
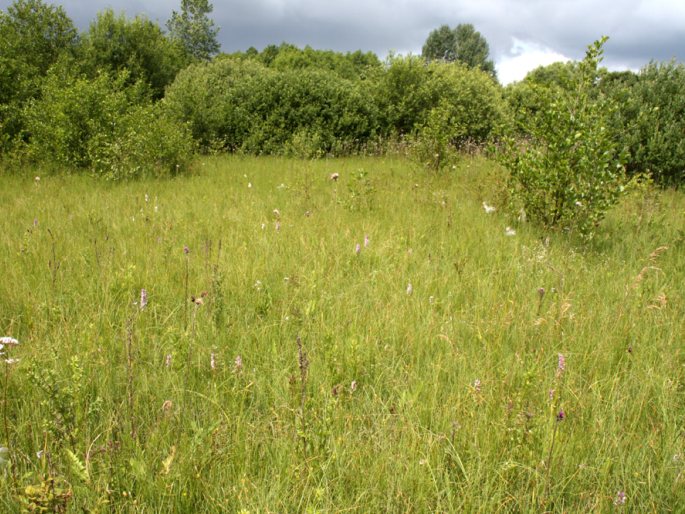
411 90
146 142
247 107
567 172
651 121
105 126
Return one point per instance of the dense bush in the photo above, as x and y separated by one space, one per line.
244 106
651 120
441 106
104 125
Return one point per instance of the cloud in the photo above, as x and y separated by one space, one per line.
639 30
525 56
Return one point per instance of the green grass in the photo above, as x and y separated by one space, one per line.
450 408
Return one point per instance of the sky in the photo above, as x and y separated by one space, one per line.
522 34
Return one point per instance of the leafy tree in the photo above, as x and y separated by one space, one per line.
195 31
32 37
463 43
441 44
568 171
114 43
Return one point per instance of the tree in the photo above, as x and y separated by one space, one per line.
194 29
114 43
441 45
568 171
32 37
463 43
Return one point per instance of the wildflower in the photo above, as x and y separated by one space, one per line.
431 300
35 222
278 226
167 406
620 498
8 341
561 366
551 395
258 285
561 416
357 249
277 213
509 232
11 361
366 240
410 289
353 386
186 250
143 298
147 198
263 226
249 185
212 361
541 292
4 457
238 364
167 360
334 176
476 385
488 208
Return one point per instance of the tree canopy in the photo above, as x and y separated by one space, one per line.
463 43
193 28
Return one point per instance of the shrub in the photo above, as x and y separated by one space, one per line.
250 108
651 121
104 126
412 94
146 142
567 172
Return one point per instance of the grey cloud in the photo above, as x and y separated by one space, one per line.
638 30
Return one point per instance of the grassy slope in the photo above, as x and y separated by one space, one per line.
418 433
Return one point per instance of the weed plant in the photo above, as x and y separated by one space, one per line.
371 341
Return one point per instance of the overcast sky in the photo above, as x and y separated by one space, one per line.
522 33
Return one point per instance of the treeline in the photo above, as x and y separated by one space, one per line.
127 98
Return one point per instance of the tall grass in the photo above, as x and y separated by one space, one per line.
303 376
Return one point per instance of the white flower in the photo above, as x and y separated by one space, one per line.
249 185
143 298
8 341
410 289
277 213
334 176
357 249
11 361
509 231
488 208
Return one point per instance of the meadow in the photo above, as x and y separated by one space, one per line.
375 343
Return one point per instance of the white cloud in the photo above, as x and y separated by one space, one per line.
523 57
